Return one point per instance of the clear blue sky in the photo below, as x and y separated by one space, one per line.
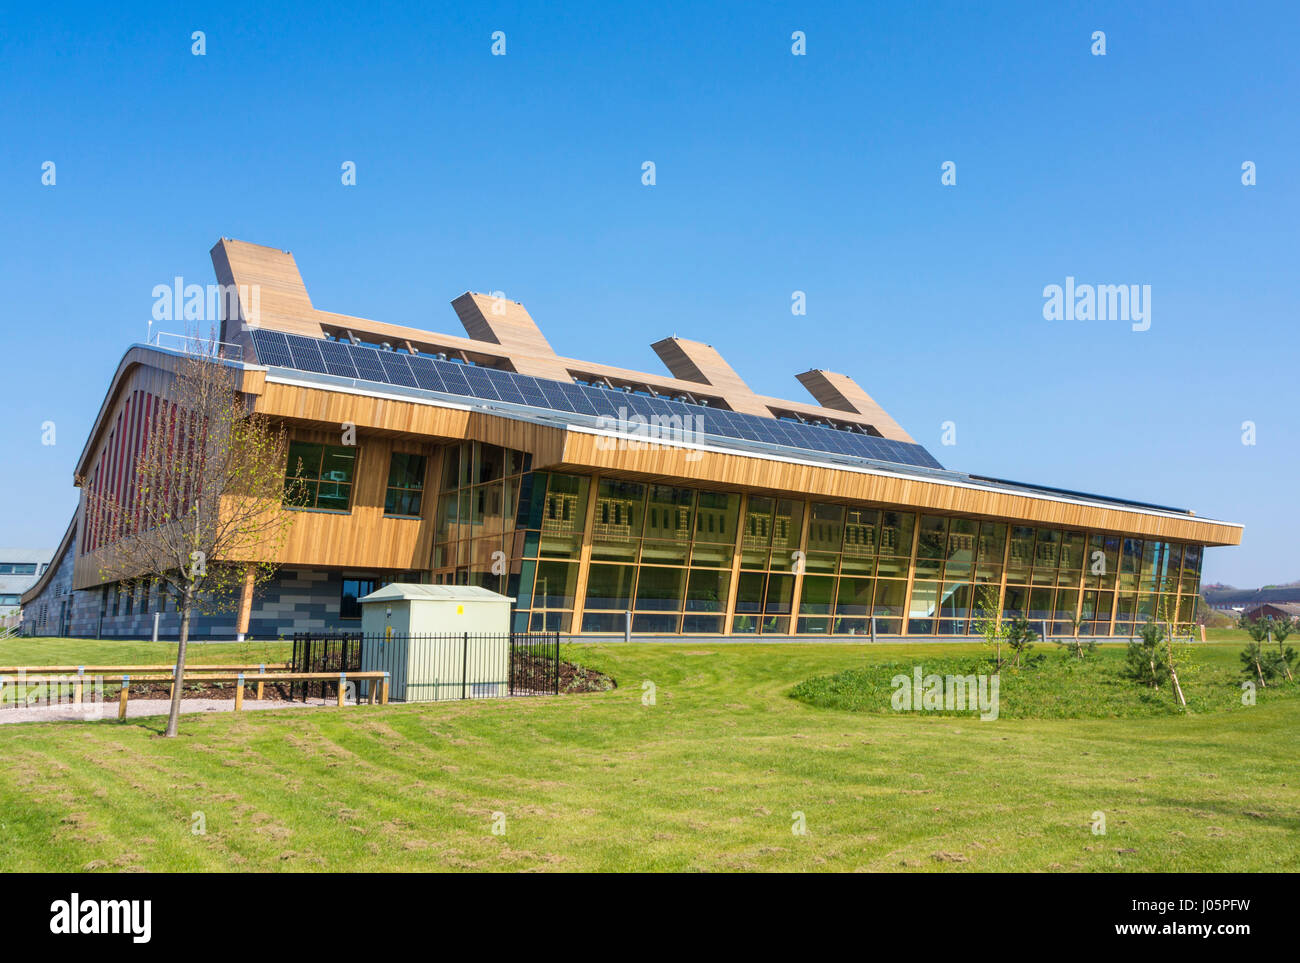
775 173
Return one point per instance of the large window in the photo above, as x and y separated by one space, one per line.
17 568
320 476
405 484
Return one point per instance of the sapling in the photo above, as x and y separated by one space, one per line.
1076 645
1263 663
1020 636
988 622
1279 629
1145 660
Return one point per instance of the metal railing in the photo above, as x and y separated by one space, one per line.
199 346
435 667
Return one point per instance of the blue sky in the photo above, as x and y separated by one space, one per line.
775 173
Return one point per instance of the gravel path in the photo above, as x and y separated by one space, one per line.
147 707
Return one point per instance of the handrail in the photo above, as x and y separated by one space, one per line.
199 346
378 693
156 667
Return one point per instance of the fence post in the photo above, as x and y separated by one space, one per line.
873 628
464 667
343 679
383 693
239 693
121 699
77 691
261 670
510 666
557 663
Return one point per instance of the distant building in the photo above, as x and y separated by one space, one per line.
19 570
1274 610
1243 600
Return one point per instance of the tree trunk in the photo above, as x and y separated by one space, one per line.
1281 651
178 676
1178 689
1173 667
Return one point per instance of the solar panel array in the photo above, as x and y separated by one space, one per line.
277 349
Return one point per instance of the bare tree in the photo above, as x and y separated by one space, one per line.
201 512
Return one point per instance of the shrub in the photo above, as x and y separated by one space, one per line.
1146 662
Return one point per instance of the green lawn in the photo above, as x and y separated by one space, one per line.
709 778
39 651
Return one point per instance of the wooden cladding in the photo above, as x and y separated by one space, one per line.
586 453
364 537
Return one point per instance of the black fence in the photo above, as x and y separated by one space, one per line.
426 668
323 653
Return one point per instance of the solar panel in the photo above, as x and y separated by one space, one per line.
575 397
554 396
479 384
306 353
504 383
278 349
600 400
271 348
338 359
368 366
397 370
453 377
426 373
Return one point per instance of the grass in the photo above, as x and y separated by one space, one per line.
1056 688
710 777
39 651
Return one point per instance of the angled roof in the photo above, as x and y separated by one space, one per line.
502 333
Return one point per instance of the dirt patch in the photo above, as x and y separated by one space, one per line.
578 678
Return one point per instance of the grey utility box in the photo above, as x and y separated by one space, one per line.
437 641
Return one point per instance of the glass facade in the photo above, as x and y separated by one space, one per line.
477 540
579 554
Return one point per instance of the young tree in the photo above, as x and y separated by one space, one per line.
203 501
1285 656
1145 661
1076 645
1258 658
1177 655
1020 636
988 622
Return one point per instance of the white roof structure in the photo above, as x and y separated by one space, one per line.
404 591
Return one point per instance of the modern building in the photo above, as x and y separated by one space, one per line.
19 570
592 494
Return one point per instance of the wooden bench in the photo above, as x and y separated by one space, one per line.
378 692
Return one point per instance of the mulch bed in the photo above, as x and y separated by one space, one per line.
210 690
578 678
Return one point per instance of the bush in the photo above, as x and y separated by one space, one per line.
1146 662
